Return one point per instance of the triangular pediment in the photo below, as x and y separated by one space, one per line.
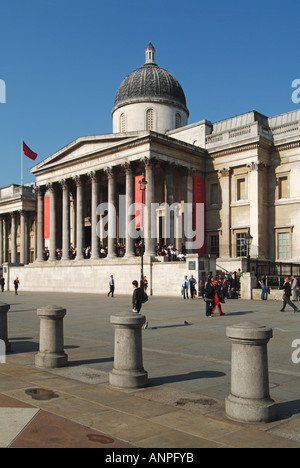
83 147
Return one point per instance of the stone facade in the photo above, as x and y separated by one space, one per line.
250 165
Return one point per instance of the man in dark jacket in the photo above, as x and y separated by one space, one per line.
137 297
209 296
287 292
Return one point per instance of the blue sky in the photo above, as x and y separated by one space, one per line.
63 60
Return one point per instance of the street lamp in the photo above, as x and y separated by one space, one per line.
248 242
143 183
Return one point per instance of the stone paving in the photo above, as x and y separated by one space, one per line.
189 377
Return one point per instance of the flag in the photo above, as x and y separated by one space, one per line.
27 151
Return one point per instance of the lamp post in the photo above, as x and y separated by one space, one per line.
143 184
248 242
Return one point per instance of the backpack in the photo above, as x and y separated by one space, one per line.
144 297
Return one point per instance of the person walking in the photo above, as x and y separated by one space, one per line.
209 296
287 292
185 287
137 297
217 286
2 283
295 288
111 285
16 284
192 282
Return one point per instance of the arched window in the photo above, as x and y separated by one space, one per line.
177 120
123 123
150 119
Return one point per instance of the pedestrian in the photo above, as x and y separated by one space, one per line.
145 283
287 292
2 283
16 284
192 282
217 286
262 282
111 285
185 287
137 297
209 296
295 288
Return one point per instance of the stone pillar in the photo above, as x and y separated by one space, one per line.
13 237
23 243
150 240
40 224
53 246
65 219
128 371
112 210
249 400
95 201
169 179
256 195
225 241
51 352
79 218
4 308
129 170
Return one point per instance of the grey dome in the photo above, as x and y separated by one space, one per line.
150 83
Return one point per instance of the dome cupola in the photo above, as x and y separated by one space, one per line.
149 98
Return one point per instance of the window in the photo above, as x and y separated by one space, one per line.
123 123
214 194
241 189
150 119
214 245
177 120
282 187
283 245
241 249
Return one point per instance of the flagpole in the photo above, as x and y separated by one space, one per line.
21 163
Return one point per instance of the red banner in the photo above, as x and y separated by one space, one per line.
47 218
199 197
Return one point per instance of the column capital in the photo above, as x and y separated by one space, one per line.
225 172
78 180
94 176
256 166
110 171
65 184
129 167
149 162
40 190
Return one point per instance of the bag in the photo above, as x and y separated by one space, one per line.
144 297
207 299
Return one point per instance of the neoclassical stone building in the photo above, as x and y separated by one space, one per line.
243 170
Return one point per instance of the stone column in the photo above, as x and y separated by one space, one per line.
256 188
79 218
1 241
65 219
169 180
150 231
40 224
249 400
51 352
53 246
128 371
13 237
23 243
112 210
4 308
95 201
129 171
225 241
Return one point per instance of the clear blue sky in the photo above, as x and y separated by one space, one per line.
63 61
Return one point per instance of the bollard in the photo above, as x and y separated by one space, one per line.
51 352
128 371
4 308
249 400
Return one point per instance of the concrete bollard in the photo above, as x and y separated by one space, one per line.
249 400
128 371
4 308
51 353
